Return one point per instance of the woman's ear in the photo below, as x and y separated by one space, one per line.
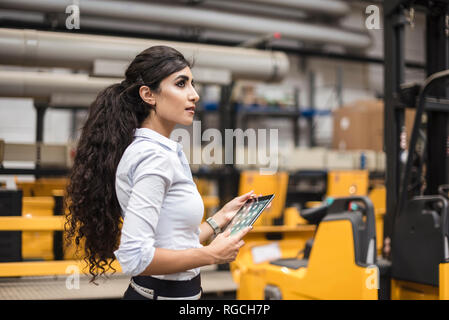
147 96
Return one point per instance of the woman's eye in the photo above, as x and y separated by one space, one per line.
181 84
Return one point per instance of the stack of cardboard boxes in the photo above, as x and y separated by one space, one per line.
360 126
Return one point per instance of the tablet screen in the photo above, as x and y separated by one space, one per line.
249 213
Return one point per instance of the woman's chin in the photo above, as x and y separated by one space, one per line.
187 122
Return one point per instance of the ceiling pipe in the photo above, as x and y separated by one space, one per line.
37 20
202 18
277 12
40 85
23 16
32 84
327 7
81 51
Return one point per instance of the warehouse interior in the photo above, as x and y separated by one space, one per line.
343 107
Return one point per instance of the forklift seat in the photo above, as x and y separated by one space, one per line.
364 233
291 263
295 263
364 244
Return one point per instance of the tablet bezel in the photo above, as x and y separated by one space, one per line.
255 217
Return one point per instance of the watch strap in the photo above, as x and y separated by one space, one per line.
213 224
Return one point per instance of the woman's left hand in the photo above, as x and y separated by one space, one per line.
225 215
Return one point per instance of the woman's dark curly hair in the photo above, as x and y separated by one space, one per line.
94 213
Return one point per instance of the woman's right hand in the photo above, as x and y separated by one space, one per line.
224 248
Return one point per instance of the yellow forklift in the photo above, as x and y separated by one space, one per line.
333 265
280 253
341 262
416 221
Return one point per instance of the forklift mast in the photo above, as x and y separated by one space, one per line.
428 166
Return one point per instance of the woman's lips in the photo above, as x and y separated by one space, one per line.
191 110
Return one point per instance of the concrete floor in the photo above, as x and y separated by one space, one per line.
216 284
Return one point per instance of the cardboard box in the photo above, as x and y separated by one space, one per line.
360 125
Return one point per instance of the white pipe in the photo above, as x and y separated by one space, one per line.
70 50
138 28
44 85
64 88
328 7
250 8
182 15
16 15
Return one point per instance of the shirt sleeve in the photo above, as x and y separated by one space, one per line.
152 178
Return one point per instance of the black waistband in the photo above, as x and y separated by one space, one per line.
170 288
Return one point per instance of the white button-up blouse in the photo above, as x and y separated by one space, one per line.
160 203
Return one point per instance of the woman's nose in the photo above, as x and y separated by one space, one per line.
194 96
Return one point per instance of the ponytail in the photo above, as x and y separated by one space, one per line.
93 208
94 214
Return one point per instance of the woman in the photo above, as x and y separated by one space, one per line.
126 166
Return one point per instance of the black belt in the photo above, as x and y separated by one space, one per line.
169 288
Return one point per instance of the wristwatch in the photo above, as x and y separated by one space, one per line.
213 224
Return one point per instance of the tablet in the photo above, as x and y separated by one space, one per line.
249 213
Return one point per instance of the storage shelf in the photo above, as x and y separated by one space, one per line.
261 110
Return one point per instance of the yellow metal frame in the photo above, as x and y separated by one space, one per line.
43 187
39 268
46 268
53 223
378 197
343 183
38 225
266 184
444 281
405 290
37 244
